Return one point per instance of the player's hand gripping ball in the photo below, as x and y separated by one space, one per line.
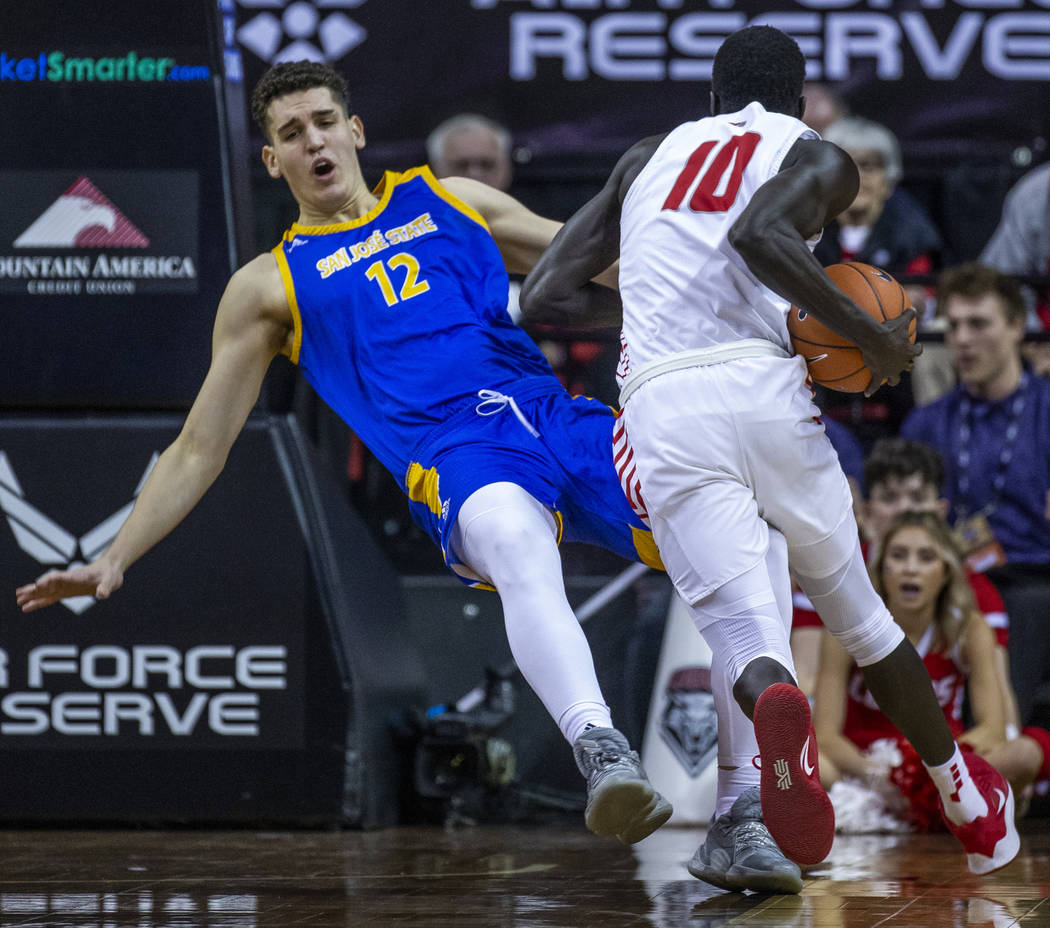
834 361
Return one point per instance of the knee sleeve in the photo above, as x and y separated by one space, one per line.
852 611
510 539
741 620
734 643
502 530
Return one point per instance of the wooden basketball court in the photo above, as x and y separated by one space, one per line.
488 876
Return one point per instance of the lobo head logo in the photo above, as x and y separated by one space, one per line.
46 540
689 726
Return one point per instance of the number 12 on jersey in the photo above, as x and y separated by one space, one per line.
411 285
736 152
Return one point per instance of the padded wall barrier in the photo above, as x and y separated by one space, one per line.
248 671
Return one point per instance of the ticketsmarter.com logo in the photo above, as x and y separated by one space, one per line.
47 542
82 218
58 67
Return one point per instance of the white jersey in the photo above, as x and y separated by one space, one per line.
684 287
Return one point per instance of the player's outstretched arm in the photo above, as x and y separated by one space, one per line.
250 328
560 289
816 182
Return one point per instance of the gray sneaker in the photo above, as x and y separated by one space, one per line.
620 799
740 853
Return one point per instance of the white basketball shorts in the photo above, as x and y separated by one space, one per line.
712 455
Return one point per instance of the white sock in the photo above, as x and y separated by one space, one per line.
580 716
962 800
731 783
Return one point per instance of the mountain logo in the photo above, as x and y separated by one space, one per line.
82 218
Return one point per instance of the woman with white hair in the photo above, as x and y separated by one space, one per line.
884 225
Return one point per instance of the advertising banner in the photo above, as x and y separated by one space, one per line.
181 659
950 77
249 669
116 236
74 240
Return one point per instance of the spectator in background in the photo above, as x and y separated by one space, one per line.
993 431
884 226
907 476
823 106
888 228
474 146
920 574
471 145
1021 246
900 475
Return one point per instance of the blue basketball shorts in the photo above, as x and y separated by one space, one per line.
556 447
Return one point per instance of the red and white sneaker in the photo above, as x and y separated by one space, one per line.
990 841
796 810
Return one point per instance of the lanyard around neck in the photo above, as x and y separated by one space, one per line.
1006 450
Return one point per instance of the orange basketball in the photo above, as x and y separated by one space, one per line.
833 361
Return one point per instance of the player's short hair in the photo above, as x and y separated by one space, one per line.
974 280
292 77
901 458
460 123
759 63
854 133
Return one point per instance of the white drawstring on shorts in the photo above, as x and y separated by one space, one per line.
492 402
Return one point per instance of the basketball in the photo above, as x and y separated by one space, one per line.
833 361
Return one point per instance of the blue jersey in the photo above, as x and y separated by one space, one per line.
400 316
400 324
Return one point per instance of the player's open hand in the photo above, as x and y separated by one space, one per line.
895 353
97 579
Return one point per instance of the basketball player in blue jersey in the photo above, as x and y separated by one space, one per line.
714 224
393 303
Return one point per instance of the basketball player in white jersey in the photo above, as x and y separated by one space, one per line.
721 449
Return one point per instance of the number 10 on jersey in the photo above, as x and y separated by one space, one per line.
733 156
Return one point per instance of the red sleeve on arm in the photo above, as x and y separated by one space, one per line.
991 604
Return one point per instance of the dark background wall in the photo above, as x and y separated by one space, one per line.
964 86
127 202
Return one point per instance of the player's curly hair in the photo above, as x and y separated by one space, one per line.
759 63
290 77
